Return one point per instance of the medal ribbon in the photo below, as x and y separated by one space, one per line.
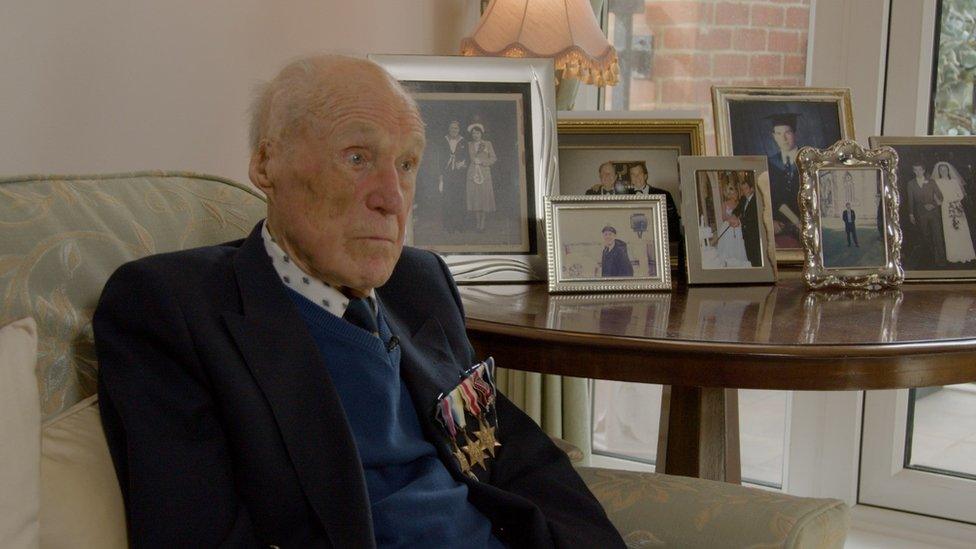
444 407
457 407
470 397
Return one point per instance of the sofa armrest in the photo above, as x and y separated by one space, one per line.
671 511
574 454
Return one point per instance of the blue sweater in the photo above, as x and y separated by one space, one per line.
414 500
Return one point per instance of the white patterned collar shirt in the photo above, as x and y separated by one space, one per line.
307 286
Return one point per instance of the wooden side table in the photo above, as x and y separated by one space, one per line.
702 343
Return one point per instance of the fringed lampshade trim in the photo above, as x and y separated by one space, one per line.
574 62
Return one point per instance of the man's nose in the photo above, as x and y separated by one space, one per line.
386 196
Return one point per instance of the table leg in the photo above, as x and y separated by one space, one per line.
699 433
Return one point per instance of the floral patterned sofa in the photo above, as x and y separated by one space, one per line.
63 235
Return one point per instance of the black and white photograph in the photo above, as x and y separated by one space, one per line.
937 184
489 162
776 124
472 193
729 237
851 218
606 243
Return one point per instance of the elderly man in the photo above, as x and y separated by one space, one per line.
312 385
608 181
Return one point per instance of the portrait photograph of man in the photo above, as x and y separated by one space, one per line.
937 212
777 127
473 194
852 222
608 243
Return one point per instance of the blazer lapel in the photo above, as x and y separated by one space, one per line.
430 369
287 365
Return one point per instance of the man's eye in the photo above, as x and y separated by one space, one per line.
356 159
408 165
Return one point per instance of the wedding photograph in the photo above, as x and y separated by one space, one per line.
472 193
729 239
937 184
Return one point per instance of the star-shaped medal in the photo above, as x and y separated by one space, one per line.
462 459
486 437
476 454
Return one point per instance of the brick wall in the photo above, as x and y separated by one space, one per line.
700 43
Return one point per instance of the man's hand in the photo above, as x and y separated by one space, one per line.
778 227
929 207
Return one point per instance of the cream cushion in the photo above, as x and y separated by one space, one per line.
81 504
20 417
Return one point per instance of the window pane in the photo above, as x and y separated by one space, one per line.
942 420
673 51
953 105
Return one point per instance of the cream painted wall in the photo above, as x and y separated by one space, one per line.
120 85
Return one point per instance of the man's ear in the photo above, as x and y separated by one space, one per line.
258 168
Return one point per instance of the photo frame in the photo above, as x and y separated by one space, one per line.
479 199
938 238
776 122
864 181
648 143
728 233
607 243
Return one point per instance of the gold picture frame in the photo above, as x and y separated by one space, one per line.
940 256
728 234
610 243
588 139
867 188
745 122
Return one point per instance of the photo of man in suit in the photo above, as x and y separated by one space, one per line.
784 179
450 157
615 260
850 229
925 216
281 390
747 214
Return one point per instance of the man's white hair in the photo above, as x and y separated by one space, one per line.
299 95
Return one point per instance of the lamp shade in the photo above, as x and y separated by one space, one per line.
565 30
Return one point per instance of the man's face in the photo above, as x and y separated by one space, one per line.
785 137
454 130
607 176
342 189
745 189
637 176
608 237
919 172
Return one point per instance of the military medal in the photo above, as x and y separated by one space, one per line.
474 395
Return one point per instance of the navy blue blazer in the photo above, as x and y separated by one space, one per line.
226 430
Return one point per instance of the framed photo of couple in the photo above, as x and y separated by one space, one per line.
937 184
776 123
728 223
488 162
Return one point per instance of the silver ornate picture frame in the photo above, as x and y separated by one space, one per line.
864 182
479 201
728 233
607 243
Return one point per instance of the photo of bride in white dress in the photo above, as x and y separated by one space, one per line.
955 226
721 227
